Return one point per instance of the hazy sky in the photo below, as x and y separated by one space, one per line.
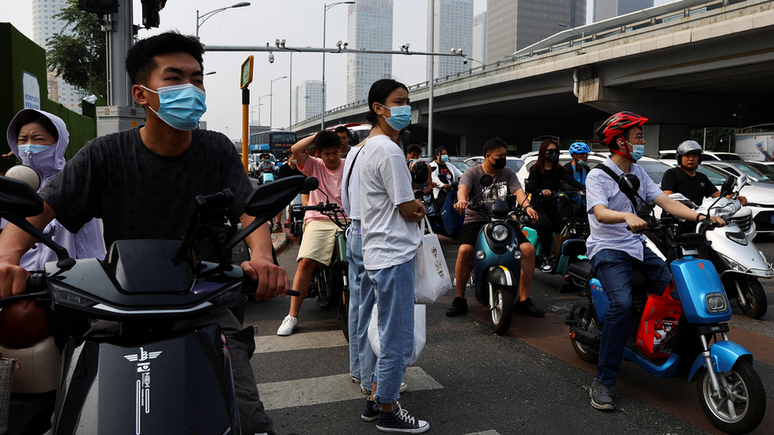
299 22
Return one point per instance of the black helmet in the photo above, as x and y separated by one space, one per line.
688 147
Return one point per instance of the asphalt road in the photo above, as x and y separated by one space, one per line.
470 381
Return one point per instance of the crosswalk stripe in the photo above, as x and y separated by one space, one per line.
329 389
487 432
307 340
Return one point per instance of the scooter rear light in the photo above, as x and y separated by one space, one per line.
716 302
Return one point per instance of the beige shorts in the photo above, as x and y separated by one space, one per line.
317 243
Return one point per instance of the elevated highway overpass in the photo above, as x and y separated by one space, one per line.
687 64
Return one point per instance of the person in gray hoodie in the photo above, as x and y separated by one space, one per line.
39 140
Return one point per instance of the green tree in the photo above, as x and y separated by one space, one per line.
78 53
717 138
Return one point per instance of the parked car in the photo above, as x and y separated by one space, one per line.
760 197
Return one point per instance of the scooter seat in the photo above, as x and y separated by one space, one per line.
581 269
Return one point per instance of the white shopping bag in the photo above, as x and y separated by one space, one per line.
419 332
431 276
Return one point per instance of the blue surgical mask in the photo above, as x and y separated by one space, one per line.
400 117
580 163
445 158
637 151
180 106
32 148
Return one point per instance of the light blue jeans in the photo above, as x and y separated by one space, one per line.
393 289
362 361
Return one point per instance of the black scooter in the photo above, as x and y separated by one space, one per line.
147 377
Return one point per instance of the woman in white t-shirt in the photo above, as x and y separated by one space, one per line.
390 236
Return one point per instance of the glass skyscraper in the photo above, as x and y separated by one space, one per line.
369 26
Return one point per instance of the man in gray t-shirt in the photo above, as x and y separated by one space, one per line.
504 183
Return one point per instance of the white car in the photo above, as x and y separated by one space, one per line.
514 163
670 156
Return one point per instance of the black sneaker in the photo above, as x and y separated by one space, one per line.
526 307
600 396
371 411
459 306
399 421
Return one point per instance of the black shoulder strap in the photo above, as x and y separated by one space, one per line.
349 174
617 180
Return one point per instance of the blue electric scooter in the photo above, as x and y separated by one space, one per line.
496 262
730 391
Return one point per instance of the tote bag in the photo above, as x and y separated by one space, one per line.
419 332
656 333
431 276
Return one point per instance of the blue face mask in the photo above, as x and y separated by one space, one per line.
637 151
32 148
180 106
400 117
445 158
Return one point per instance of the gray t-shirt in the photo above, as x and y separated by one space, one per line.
140 194
504 183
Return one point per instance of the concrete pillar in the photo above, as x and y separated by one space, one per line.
664 137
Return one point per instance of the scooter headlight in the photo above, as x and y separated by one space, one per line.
516 254
734 264
500 233
716 302
724 211
480 255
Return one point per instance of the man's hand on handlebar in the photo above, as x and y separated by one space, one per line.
532 214
272 279
13 279
635 223
545 192
716 221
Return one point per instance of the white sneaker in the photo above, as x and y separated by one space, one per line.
289 324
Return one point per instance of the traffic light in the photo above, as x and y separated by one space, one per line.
150 12
98 6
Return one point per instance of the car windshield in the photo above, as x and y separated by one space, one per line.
462 166
716 176
514 164
654 169
728 157
757 171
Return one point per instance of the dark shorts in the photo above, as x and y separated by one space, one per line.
469 233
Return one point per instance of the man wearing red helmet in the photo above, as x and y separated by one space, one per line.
614 249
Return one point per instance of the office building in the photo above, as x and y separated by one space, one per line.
515 24
369 26
307 100
45 26
479 38
604 9
453 28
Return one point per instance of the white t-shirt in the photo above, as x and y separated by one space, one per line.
388 238
350 201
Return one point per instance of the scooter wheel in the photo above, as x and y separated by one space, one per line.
577 312
502 309
756 303
740 404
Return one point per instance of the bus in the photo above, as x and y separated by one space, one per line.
275 142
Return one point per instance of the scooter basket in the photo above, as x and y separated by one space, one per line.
6 380
656 333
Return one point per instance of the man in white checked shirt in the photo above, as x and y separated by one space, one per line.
615 249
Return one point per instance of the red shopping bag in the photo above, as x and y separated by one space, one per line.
656 333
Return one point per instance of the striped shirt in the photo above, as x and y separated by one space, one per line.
602 189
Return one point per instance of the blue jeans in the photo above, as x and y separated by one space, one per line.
614 270
394 294
362 360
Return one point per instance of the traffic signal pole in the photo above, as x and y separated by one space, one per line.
119 40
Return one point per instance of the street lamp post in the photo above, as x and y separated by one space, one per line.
271 100
200 19
325 20
252 112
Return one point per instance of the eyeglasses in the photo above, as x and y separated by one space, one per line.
639 137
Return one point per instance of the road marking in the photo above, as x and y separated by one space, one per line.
307 340
329 389
488 432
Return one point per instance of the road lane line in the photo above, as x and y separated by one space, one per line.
488 432
329 389
306 340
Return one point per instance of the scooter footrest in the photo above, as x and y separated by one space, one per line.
716 328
